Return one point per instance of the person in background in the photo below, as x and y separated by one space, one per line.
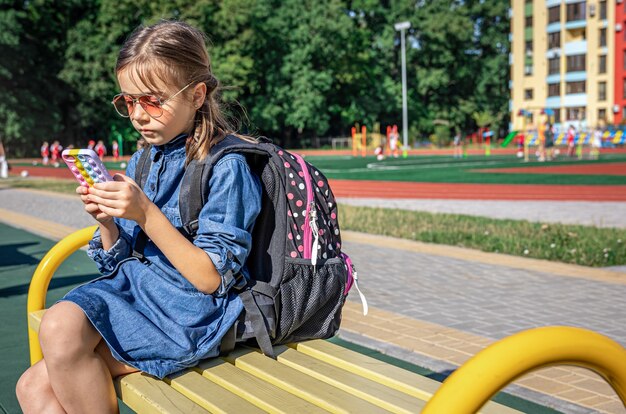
100 149
45 153
55 153
571 146
116 151
91 144
4 165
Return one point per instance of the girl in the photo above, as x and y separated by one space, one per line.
167 312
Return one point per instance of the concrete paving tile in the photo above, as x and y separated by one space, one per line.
597 386
614 407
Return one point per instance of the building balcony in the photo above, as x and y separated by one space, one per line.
574 99
576 24
553 102
554 78
575 76
553 27
575 48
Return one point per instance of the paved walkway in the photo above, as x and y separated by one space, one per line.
599 214
437 305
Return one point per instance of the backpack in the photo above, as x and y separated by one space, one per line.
299 277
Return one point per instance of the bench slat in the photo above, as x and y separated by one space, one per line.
382 372
209 395
34 319
385 397
303 386
147 395
266 396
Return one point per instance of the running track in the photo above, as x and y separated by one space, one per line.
406 190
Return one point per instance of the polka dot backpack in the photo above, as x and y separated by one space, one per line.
299 276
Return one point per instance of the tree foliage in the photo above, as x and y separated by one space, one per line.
290 69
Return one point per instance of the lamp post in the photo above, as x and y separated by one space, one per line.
401 27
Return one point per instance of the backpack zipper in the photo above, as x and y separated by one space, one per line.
310 222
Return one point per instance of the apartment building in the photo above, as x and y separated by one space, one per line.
567 63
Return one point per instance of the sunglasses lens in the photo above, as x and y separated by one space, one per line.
123 105
151 105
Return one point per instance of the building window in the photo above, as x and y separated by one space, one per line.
554 40
603 10
528 94
602 114
602 91
602 64
554 89
602 37
528 47
528 70
575 113
576 63
576 11
554 66
554 14
528 22
575 87
557 115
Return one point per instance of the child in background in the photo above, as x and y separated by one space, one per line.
55 153
116 151
45 153
166 312
100 149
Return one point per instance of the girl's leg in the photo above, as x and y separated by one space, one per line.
34 392
78 375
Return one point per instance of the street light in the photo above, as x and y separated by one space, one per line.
401 27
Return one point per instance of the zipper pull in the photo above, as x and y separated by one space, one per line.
315 233
355 276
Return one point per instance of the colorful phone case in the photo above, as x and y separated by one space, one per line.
86 166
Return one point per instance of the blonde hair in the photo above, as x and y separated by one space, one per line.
175 52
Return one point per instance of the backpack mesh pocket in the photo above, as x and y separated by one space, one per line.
310 303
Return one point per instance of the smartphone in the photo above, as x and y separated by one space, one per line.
86 166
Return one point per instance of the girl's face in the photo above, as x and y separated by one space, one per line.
178 112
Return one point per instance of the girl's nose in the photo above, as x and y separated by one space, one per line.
139 114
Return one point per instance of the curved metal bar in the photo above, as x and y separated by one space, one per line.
42 276
476 381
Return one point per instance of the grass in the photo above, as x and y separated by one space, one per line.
581 245
48 184
445 169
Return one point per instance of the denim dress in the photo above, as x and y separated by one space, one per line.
150 316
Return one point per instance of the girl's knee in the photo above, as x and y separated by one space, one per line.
64 333
33 382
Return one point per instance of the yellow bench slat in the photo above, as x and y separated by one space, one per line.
34 319
303 386
374 392
209 395
382 372
266 396
147 395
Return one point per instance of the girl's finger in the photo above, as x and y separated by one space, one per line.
109 211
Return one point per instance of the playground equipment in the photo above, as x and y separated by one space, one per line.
246 381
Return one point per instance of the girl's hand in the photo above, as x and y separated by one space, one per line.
120 198
92 208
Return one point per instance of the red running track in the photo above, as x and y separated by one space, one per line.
396 189
392 189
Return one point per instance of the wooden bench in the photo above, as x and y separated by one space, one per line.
309 377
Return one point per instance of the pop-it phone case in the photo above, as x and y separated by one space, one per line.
86 166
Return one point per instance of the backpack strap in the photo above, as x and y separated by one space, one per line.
141 172
141 176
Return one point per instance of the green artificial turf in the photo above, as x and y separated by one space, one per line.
446 169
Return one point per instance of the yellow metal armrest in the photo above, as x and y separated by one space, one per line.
42 276
474 383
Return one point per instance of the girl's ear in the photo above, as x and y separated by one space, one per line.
199 95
